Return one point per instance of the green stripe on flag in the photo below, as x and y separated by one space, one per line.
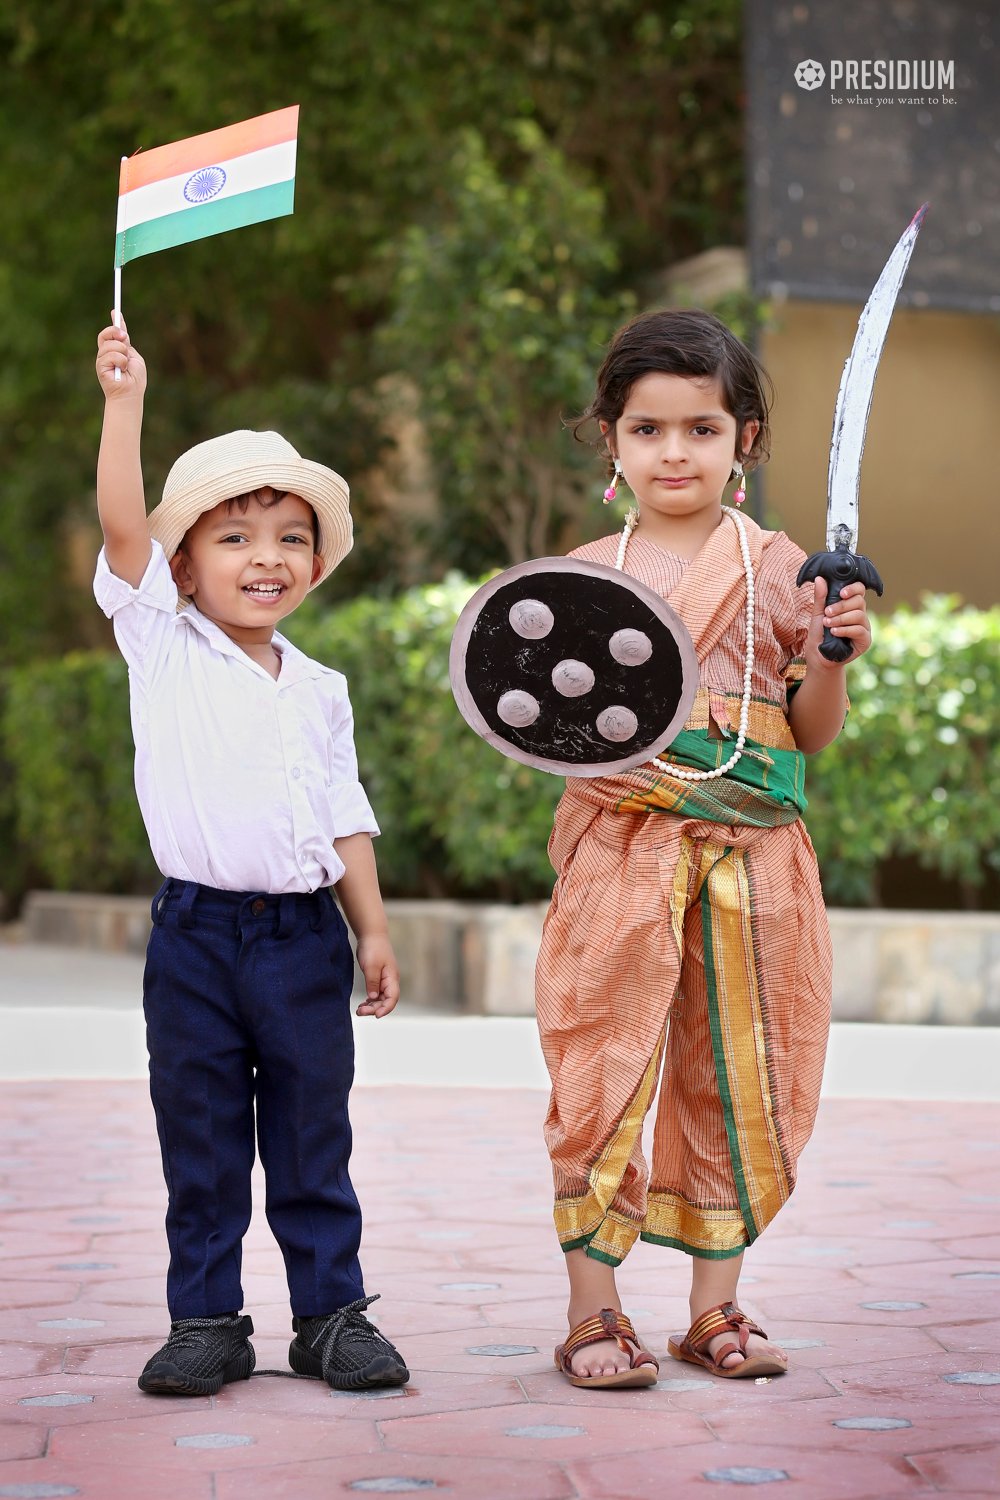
206 219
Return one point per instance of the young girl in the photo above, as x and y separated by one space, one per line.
686 934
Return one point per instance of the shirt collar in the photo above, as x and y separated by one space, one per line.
295 665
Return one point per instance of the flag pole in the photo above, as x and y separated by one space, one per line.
116 306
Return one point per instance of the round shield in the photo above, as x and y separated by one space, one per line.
572 667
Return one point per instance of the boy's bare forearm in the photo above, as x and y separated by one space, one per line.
362 902
358 888
121 502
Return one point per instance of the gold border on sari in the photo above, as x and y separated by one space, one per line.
711 1233
736 1022
590 1221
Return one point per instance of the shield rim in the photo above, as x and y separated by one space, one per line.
690 669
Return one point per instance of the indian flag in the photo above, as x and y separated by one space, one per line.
207 184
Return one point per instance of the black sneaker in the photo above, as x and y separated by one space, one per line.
200 1356
345 1350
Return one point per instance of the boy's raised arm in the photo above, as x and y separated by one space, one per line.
121 503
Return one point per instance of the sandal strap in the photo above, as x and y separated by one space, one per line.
726 1317
608 1324
721 1355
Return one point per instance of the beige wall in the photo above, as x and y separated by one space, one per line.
930 478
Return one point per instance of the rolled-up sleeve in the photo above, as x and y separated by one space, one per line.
143 616
352 812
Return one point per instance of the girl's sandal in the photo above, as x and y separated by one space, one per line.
693 1347
608 1324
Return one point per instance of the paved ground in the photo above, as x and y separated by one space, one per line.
881 1278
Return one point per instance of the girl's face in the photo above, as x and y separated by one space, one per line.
677 442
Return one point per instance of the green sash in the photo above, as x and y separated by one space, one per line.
764 789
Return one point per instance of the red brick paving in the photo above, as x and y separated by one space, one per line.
882 1276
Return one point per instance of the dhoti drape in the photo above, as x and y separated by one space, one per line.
686 946
653 956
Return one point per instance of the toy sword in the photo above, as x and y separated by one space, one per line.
841 565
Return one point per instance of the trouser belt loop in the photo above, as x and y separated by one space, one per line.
185 909
286 916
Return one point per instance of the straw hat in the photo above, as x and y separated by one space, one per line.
239 462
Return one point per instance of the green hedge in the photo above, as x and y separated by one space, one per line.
916 771
457 817
70 806
913 775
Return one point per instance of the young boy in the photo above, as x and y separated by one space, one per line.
247 779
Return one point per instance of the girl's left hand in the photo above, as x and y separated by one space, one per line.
847 617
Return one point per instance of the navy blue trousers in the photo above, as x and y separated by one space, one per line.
247 1002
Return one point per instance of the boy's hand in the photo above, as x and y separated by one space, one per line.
847 617
114 352
378 964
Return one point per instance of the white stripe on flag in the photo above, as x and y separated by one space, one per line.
255 169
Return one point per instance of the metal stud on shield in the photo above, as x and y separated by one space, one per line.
572 667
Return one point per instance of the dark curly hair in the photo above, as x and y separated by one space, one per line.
693 344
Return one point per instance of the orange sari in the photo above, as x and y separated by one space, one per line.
687 947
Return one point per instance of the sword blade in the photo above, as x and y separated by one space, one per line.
857 384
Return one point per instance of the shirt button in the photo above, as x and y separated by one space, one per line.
296 772
258 907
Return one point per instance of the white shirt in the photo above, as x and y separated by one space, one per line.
244 781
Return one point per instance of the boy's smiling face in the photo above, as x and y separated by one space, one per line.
245 572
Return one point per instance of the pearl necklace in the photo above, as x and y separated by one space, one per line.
631 522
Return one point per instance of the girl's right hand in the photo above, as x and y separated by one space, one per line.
114 352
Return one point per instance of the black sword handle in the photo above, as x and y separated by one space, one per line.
839 568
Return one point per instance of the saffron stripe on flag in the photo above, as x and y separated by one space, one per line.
215 217
222 178
204 150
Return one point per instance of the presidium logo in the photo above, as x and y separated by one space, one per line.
920 80
809 74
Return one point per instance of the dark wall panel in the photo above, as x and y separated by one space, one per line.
836 171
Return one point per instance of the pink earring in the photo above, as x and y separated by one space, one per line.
609 493
740 493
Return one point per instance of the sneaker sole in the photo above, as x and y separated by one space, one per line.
382 1371
166 1380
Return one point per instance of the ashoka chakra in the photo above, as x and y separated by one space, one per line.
204 184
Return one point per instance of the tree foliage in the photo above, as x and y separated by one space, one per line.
274 326
500 311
